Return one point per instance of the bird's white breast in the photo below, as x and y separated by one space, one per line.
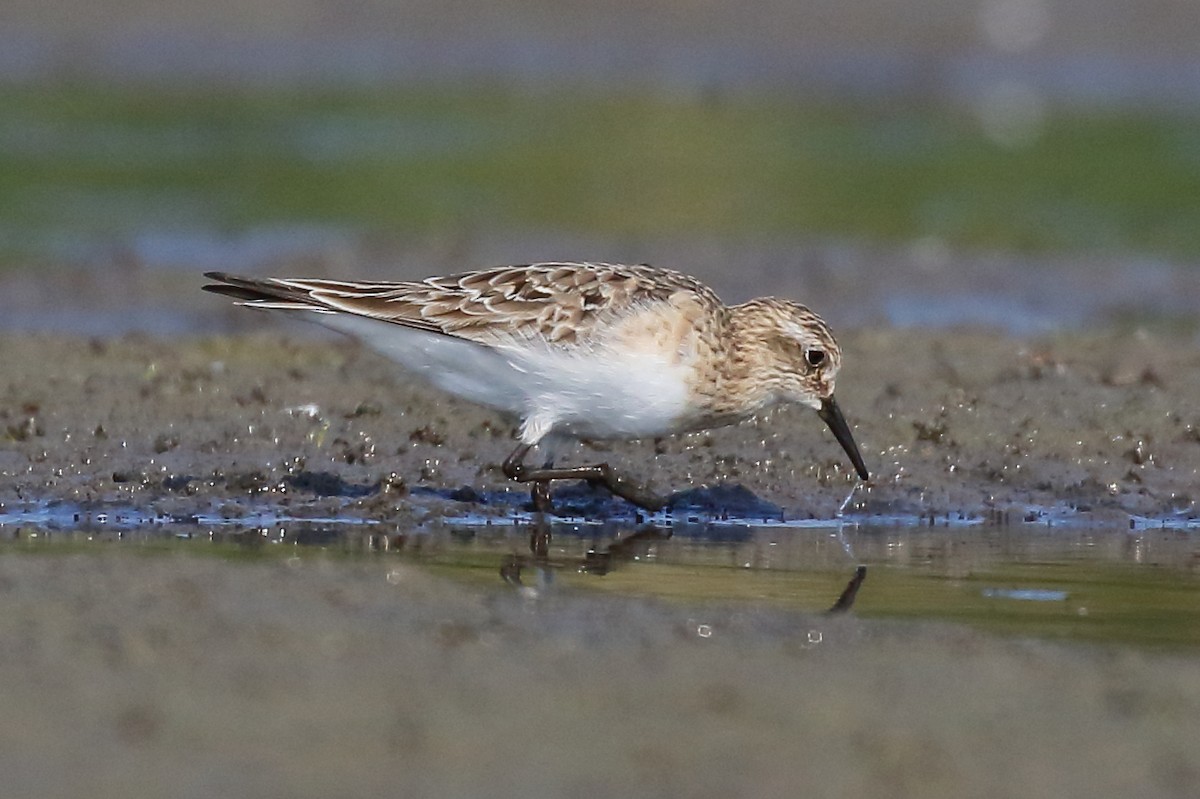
603 392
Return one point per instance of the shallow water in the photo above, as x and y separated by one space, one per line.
1138 586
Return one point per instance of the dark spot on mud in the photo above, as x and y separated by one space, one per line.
394 484
328 484
427 435
165 443
1140 453
175 482
486 427
353 452
364 409
246 481
26 429
256 396
933 432
466 494
731 499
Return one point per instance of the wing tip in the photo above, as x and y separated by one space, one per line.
256 293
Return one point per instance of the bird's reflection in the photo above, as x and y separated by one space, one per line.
602 560
530 573
597 560
850 592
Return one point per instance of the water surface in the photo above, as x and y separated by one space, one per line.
1138 587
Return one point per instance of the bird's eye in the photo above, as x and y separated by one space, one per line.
814 357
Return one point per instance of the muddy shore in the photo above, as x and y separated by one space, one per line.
130 671
1099 427
309 676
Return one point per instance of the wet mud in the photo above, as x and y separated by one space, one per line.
954 425
315 676
226 664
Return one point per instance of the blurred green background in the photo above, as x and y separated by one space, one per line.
1053 133
100 161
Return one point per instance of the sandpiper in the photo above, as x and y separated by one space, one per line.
582 350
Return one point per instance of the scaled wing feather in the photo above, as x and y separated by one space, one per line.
553 301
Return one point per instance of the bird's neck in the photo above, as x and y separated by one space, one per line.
740 391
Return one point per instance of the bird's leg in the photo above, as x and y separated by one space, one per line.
515 469
540 496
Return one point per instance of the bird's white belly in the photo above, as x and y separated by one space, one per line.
584 392
602 393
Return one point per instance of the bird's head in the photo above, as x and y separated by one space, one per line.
795 358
